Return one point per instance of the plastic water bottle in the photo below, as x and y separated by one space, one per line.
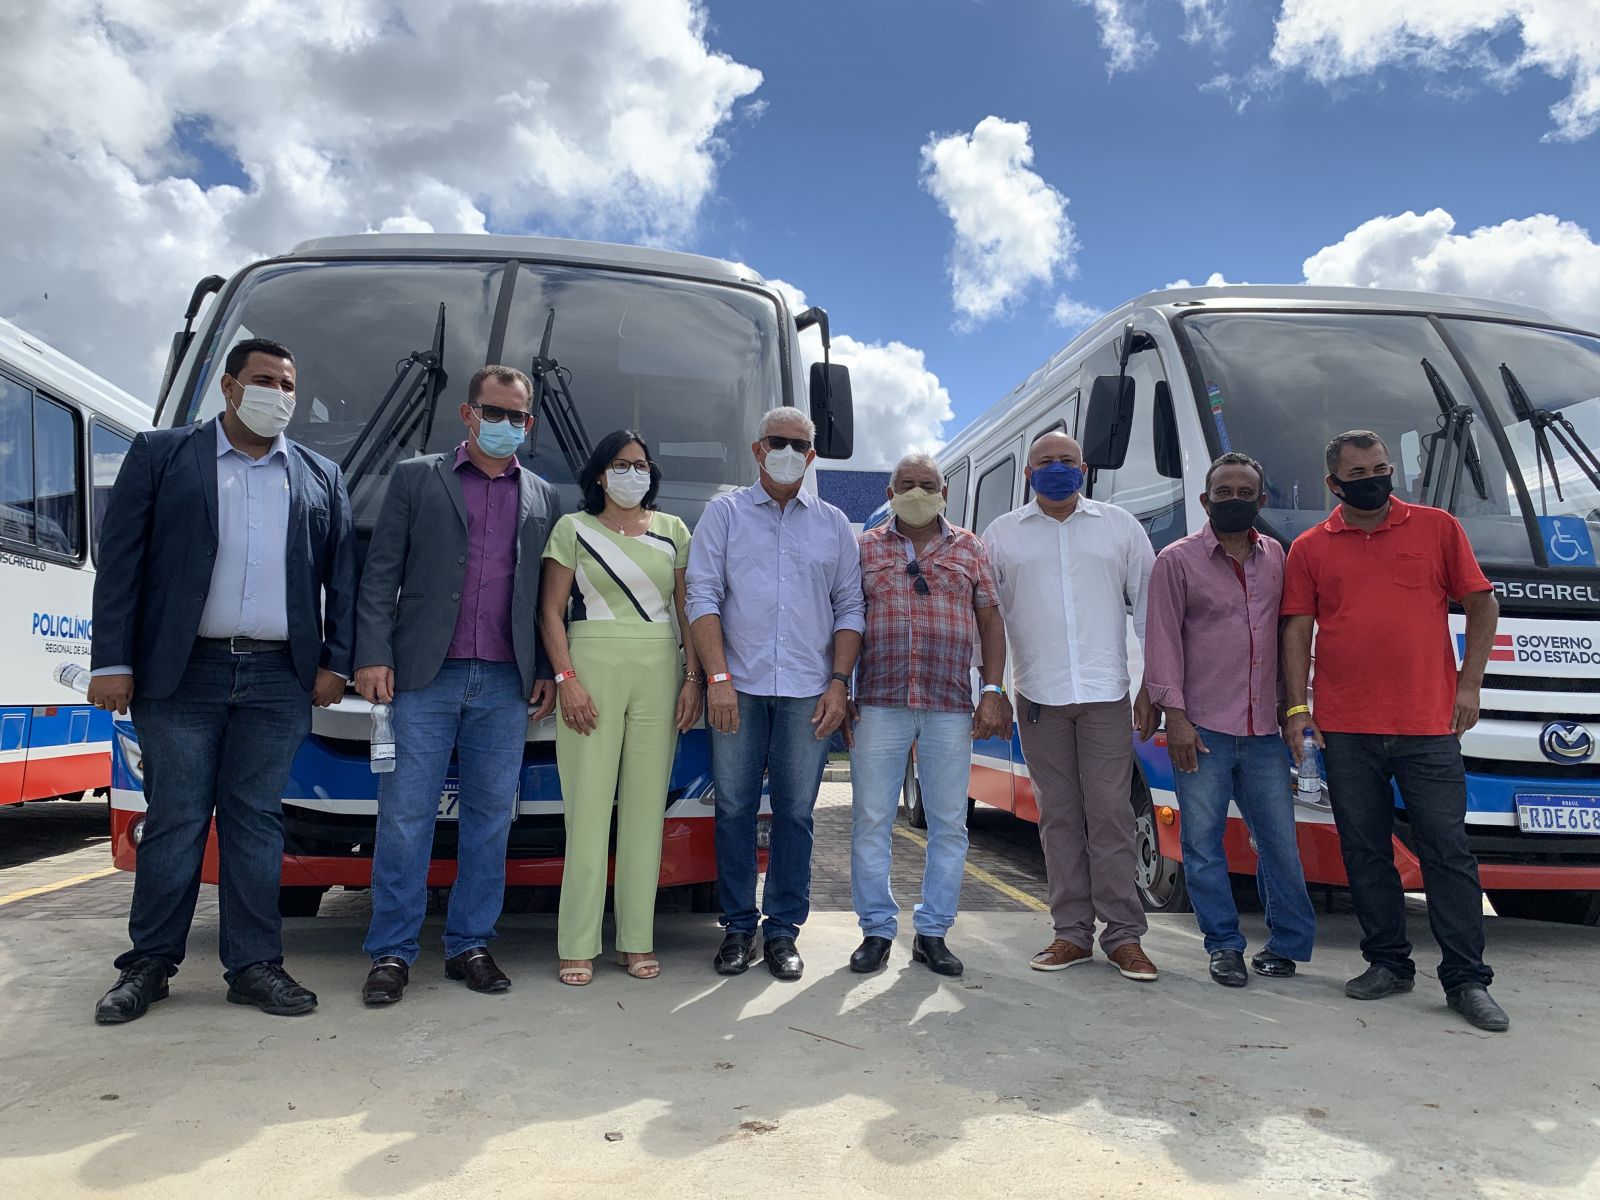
1310 785
73 676
382 739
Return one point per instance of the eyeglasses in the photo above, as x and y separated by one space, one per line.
917 580
622 464
494 414
773 442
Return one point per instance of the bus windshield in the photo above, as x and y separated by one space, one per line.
1279 385
689 365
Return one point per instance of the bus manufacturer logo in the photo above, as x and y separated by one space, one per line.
1566 742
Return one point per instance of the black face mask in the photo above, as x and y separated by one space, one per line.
1369 494
1233 516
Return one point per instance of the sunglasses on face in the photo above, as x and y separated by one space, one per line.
494 414
773 442
917 580
620 465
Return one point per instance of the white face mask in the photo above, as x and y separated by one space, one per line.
266 411
785 466
627 488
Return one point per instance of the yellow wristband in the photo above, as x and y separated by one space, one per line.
1298 709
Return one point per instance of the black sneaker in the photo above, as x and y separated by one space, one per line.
1472 1001
1376 982
271 989
137 988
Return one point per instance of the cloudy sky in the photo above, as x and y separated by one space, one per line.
962 184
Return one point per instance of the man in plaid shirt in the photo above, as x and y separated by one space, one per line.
930 596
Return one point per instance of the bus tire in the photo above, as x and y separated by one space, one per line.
1566 908
1162 887
911 795
299 901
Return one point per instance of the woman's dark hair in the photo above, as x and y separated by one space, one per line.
589 479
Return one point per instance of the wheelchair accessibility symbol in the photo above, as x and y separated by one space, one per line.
1567 541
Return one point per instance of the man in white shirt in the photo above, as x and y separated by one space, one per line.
1067 566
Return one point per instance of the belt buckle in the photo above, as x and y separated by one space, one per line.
233 644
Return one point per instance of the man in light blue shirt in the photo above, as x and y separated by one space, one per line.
776 611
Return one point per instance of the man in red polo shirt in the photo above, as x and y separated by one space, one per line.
1377 578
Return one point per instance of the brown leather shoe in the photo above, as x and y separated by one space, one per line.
478 969
1059 955
1131 960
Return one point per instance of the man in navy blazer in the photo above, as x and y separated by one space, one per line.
224 608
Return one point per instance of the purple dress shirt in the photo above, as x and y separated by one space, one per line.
483 622
1211 634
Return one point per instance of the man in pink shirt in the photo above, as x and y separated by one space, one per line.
1211 664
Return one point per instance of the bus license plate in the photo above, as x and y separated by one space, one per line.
1559 814
450 800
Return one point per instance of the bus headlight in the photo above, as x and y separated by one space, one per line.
136 832
132 756
763 832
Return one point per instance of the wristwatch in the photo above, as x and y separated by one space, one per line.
841 677
694 677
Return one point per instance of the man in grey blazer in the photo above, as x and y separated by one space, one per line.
447 632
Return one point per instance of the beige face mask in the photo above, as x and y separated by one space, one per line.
917 507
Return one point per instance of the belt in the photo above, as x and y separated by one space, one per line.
246 645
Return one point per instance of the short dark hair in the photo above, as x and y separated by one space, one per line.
240 354
594 492
1361 439
500 373
1234 459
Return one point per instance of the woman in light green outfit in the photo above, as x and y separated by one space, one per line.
613 579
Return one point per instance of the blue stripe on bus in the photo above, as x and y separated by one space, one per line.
41 729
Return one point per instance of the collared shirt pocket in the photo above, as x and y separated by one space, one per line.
1414 571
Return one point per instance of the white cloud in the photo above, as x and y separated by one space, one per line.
1215 279
1011 227
1072 315
598 117
1332 40
900 405
1538 260
1124 44
1205 21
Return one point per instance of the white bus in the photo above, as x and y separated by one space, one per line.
63 434
1491 411
386 329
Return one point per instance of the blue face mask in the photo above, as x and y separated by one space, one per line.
1057 481
498 439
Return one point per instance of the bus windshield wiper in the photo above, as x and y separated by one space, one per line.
552 396
1441 473
410 403
1544 423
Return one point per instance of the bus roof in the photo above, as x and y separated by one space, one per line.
1173 302
69 380
494 245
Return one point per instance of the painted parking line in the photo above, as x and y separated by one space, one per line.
60 885
984 877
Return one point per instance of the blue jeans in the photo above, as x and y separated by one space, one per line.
477 708
1254 773
878 769
223 742
775 736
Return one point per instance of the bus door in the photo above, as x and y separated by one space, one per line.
995 761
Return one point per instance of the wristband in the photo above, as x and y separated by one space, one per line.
719 677
841 677
1297 710
994 688
566 675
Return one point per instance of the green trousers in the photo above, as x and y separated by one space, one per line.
634 683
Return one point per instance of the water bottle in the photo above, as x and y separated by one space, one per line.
382 739
1310 785
73 676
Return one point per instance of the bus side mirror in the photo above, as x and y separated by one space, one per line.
832 410
1110 423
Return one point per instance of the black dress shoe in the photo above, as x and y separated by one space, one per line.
783 960
477 967
1376 982
870 955
1275 966
733 957
136 989
1227 968
1472 1001
271 989
386 982
935 955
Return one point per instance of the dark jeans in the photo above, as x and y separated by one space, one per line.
223 742
776 737
1433 784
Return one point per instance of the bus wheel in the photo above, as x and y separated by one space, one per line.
1568 908
1161 883
911 794
299 901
